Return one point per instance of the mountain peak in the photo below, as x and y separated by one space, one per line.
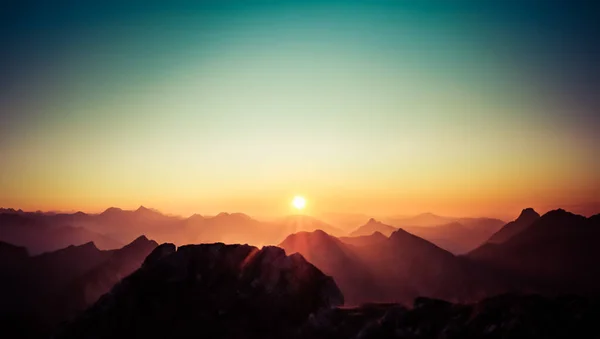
528 213
146 210
373 221
141 238
111 210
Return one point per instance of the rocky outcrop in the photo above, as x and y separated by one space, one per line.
213 291
505 316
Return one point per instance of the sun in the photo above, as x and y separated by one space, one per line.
299 202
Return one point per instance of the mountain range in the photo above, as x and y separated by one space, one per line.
459 236
40 232
295 289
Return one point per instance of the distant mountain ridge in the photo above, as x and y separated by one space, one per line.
397 268
373 226
114 227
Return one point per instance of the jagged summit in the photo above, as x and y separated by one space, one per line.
527 217
232 290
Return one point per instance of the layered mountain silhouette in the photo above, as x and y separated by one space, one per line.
398 268
460 236
337 259
373 226
241 291
38 292
557 253
365 240
212 290
42 233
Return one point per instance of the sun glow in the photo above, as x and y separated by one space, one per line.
299 202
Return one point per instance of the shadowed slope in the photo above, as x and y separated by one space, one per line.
338 260
212 290
42 233
527 217
43 290
558 252
365 240
398 268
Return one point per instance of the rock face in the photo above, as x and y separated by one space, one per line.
504 316
212 291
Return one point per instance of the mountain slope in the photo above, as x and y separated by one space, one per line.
458 237
527 217
337 259
211 290
395 269
373 226
41 291
364 240
42 233
557 253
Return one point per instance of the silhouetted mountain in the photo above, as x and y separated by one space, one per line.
398 268
43 233
527 217
127 225
407 266
336 259
215 291
89 287
344 221
11 254
364 240
504 316
43 290
373 226
460 236
224 227
557 253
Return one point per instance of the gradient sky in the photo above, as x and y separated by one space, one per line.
378 107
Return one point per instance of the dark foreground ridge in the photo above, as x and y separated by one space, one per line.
211 291
504 316
239 291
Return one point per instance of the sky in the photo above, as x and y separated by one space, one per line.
376 107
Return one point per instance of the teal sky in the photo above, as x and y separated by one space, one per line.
385 107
